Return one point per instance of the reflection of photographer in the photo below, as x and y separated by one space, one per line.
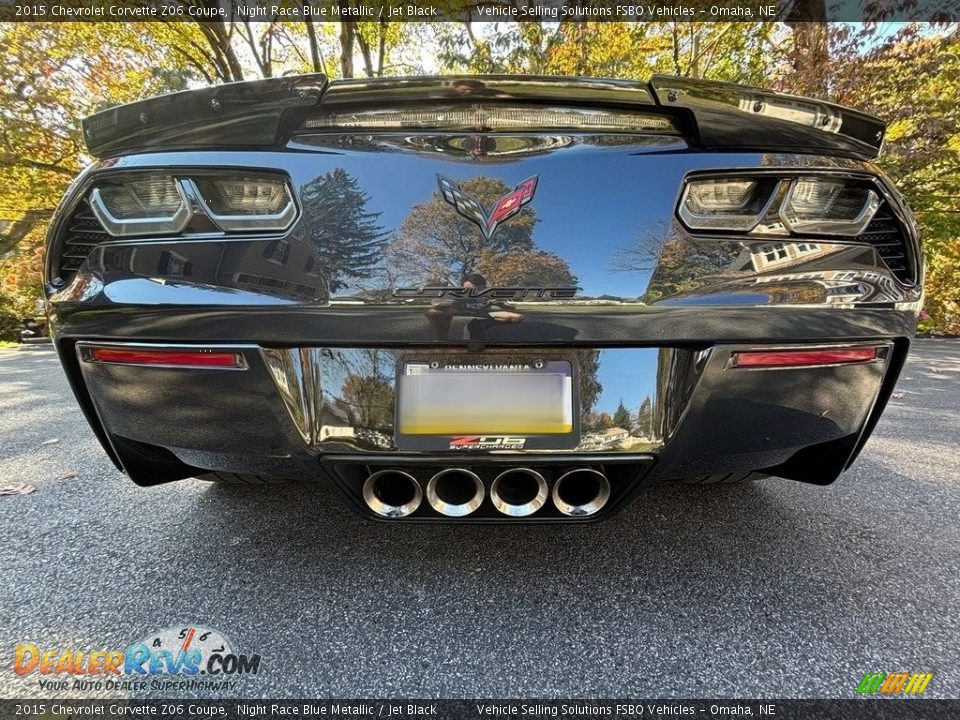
482 309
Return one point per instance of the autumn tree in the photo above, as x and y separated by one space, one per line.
235 48
911 79
602 421
525 268
53 75
367 401
810 49
589 386
731 51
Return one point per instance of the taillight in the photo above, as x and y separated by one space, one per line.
818 205
246 202
165 358
785 206
802 357
736 204
828 207
138 205
162 203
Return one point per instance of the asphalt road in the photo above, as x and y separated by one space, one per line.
775 589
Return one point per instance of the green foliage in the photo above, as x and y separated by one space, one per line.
913 81
621 417
10 326
734 52
53 75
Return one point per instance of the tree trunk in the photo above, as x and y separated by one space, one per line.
347 32
314 49
810 56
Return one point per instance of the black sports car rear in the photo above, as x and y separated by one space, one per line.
485 298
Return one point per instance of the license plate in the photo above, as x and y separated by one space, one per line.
486 405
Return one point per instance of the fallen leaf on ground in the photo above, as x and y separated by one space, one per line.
69 474
21 489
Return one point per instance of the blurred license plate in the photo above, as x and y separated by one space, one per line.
486 406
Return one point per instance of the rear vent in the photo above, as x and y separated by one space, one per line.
82 234
886 234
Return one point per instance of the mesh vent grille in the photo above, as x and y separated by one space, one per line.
83 233
886 234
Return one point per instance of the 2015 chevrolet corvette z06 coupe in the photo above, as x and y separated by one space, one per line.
487 298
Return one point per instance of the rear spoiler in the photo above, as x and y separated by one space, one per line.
264 113
739 117
254 113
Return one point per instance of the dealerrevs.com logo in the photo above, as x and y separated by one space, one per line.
181 658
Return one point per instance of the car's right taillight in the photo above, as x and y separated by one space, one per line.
246 202
802 205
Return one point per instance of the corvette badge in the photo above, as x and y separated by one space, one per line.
503 209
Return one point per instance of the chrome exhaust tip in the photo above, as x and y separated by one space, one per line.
455 492
581 492
519 492
392 493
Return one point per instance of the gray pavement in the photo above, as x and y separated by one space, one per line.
775 589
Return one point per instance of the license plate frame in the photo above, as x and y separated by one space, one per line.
553 425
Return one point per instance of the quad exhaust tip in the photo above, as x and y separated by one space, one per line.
458 492
581 492
392 493
519 492
455 492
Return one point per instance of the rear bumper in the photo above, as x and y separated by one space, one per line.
693 414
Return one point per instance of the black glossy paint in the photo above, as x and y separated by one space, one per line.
615 239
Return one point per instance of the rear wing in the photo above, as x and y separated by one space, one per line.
257 113
265 113
738 117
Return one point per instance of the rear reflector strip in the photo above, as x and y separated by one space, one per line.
167 358
802 358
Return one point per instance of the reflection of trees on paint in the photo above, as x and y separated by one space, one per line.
525 268
347 238
687 264
645 419
621 416
436 245
675 262
642 254
361 383
589 387
598 422
367 401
